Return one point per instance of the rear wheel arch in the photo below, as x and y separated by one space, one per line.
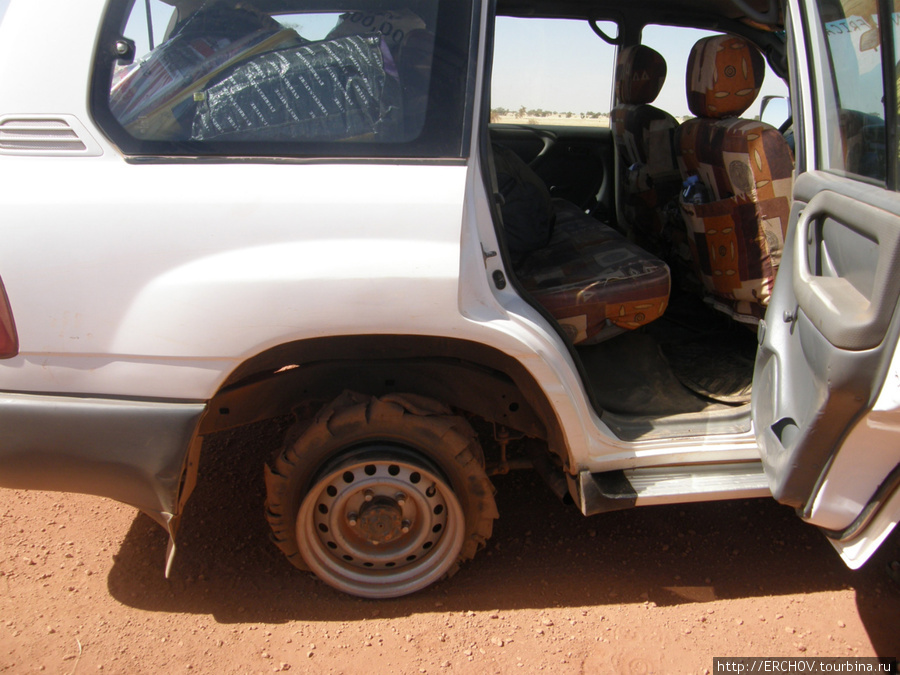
444 388
300 377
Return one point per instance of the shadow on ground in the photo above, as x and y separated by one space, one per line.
542 554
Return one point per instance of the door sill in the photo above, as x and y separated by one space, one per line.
617 490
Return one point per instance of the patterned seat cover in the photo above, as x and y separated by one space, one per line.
645 140
590 277
737 235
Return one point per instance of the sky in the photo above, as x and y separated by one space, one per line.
563 66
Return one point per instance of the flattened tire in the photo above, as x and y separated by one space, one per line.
380 497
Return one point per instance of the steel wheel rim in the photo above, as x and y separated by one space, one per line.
380 524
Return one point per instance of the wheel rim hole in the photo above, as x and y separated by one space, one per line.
400 495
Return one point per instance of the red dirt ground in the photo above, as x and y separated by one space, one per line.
653 590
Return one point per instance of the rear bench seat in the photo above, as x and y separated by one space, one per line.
594 281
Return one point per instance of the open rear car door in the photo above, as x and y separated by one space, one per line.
826 389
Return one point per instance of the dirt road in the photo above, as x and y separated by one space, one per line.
654 590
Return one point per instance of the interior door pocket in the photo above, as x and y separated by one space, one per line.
846 276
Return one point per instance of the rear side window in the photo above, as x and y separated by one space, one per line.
285 78
675 43
551 71
855 109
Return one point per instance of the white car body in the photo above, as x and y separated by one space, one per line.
140 287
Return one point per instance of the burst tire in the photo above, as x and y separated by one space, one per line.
380 497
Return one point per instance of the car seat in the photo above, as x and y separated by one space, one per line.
737 217
593 281
645 141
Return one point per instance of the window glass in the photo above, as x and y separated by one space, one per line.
224 77
851 103
148 32
3 5
554 71
551 71
674 43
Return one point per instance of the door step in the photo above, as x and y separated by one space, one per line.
616 490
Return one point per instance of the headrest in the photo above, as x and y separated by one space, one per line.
640 74
724 74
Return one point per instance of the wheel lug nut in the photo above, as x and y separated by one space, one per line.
368 495
404 526
352 519
400 498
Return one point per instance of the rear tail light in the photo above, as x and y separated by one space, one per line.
9 339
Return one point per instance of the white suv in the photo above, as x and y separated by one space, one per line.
216 212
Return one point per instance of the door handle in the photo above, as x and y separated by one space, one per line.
844 315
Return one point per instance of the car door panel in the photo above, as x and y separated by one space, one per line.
829 334
826 387
845 273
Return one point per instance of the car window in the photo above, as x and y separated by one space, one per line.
573 85
224 77
851 105
674 43
551 71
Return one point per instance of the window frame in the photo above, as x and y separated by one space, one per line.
445 135
825 94
889 73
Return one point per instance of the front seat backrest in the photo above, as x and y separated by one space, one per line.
738 211
644 138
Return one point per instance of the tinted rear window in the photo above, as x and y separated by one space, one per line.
285 78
